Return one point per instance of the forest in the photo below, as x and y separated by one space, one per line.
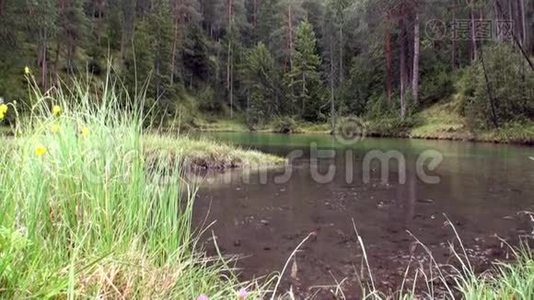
279 61
173 149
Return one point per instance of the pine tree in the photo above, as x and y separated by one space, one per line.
268 19
305 78
139 63
42 28
11 41
260 78
195 57
161 28
186 13
72 28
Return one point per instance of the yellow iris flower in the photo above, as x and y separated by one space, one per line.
56 110
40 151
3 111
85 132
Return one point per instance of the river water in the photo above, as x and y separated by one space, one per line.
483 189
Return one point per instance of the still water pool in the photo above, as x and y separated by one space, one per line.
483 189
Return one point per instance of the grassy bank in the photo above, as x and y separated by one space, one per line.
440 121
206 154
82 216
443 122
276 126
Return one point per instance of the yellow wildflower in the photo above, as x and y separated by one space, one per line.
85 132
1 116
55 128
3 108
56 110
40 151
27 70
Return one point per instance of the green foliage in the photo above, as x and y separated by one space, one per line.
365 79
285 125
263 59
436 78
138 64
378 107
207 101
86 213
261 80
502 88
304 79
392 126
195 58
267 22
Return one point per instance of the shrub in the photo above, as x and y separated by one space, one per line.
285 125
436 79
508 93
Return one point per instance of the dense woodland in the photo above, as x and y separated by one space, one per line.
310 60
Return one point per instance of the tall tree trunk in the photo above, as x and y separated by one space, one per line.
229 69
415 77
388 57
303 95
56 60
473 34
43 59
402 40
522 13
174 49
453 41
290 36
332 92
99 23
128 10
174 40
341 53
255 14
497 17
491 99
515 39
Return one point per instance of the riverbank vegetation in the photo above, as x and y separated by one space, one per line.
510 279
251 64
204 154
84 215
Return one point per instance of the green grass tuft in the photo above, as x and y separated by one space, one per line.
82 216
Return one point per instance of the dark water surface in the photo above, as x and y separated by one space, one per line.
483 189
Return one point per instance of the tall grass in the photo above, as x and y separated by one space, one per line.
81 215
457 279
